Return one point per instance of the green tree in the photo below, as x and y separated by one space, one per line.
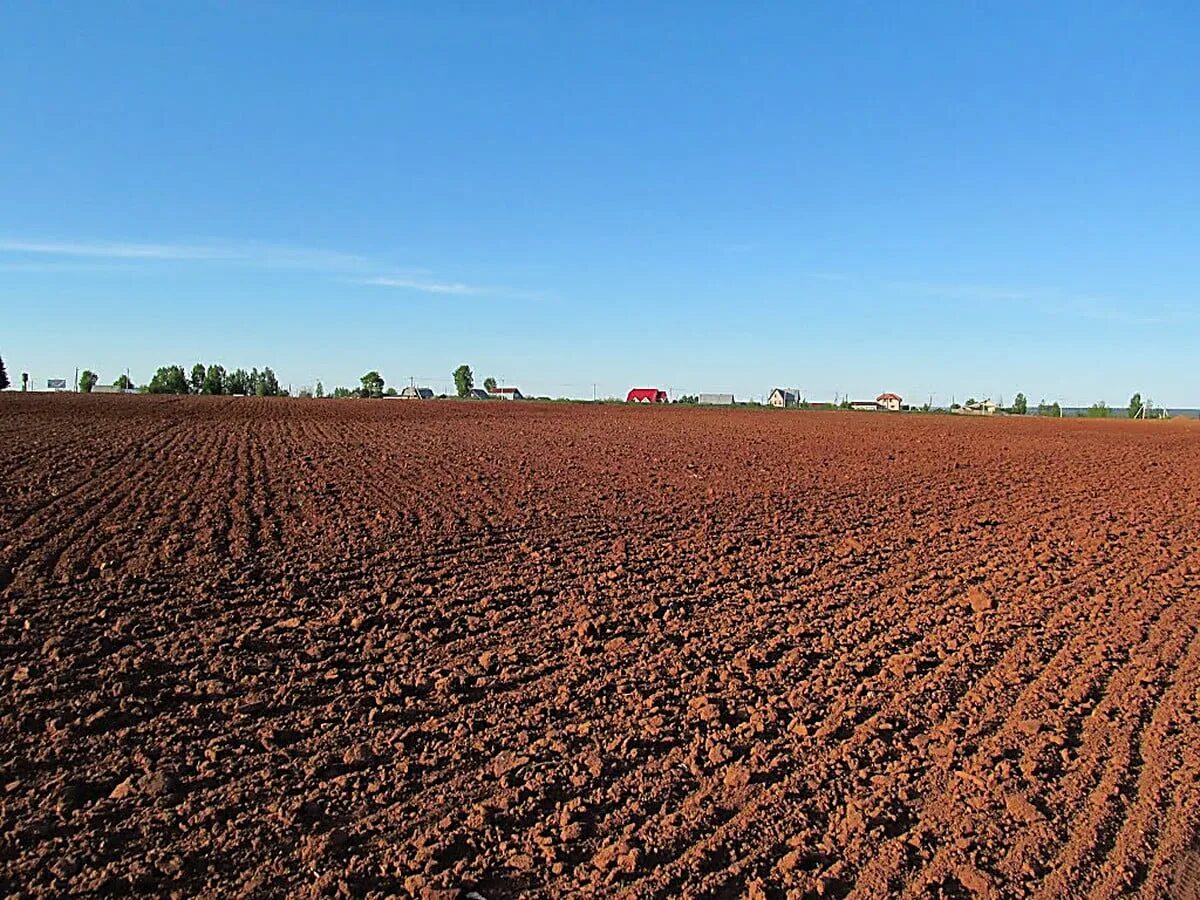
372 384
197 381
267 384
1135 406
320 392
87 381
1020 405
123 383
4 383
341 393
237 382
168 380
489 384
213 382
1099 410
463 380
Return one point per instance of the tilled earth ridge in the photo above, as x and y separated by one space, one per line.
271 647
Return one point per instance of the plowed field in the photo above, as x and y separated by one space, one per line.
271 647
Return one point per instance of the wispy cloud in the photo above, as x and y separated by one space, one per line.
65 266
258 254
58 255
427 287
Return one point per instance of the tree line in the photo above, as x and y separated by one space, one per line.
215 380
211 380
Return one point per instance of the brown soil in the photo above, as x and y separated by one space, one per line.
275 647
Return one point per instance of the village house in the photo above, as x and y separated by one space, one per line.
865 405
506 393
890 402
783 398
416 393
976 408
646 395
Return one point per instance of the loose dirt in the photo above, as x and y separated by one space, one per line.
274 647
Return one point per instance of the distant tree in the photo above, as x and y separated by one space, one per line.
168 380
237 382
372 385
123 383
87 381
489 384
305 392
1135 405
320 392
1020 405
268 384
463 380
3 376
1049 409
214 381
1099 410
391 392
341 393
197 382
687 398
971 401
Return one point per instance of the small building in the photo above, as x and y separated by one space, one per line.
782 398
715 399
977 408
416 393
478 394
865 405
506 393
646 395
890 402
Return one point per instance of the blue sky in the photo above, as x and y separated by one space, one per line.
957 199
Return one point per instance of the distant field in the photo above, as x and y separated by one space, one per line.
274 645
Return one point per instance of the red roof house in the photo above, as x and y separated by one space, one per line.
890 401
646 395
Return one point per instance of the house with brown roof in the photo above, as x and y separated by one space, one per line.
890 402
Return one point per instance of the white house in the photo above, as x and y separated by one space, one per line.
977 408
890 402
783 398
416 393
506 393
